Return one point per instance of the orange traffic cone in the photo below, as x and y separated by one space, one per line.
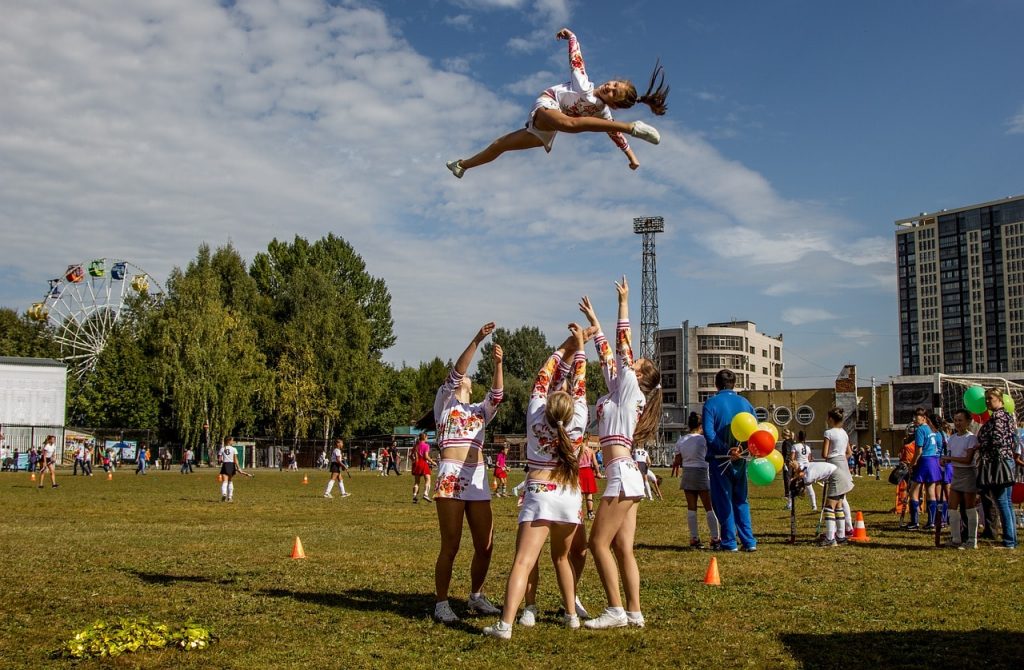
297 551
33 476
219 476
110 475
860 533
305 480
711 577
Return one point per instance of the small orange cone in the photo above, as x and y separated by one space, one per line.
219 476
297 551
711 577
110 475
305 480
33 476
860 533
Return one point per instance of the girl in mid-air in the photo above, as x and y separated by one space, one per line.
578 107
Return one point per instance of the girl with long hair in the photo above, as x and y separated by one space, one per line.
836 450
501 472
421 468
628 414
461 491
577 106
692 450
555 423
588 478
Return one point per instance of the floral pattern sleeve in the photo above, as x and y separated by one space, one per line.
446 392
608 369
618 139
561 372
542 384
623 346
577 70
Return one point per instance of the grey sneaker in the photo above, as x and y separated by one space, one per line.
571 621
637 620
606 620
482 605
458 171
328 495
443 613
500 630
645 132
529 616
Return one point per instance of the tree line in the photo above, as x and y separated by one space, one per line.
289 346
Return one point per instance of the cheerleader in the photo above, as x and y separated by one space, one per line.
588 480
421 468
228 457
461 491
555 422
500 472
835 449
337 467
576 107
801 456
692 453
628 414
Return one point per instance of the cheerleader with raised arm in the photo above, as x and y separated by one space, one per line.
461 491
555 423
577 106
628 414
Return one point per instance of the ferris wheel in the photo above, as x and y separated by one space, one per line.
84 303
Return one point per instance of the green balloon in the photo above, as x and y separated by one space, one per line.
760 471
974 400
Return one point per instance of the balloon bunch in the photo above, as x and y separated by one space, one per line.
974 401
764 462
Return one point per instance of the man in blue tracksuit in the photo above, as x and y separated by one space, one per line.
729 488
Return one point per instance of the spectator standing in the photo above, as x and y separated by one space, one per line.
787 452
186 461
47 460
140 460
393 461
996 466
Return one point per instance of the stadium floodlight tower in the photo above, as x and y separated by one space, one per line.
649 226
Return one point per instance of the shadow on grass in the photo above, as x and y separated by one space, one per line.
662 547
871 650
409 605
165 579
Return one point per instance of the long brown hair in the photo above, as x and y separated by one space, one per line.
558 413
649 378
655 96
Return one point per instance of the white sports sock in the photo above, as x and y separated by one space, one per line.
716 532
954 526
341 487
840 523
224 488
848 515
830 524
330 485
972 524
810 494
617 611
691 521
231 489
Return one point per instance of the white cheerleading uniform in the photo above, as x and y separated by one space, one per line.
547 500
462 425
618 413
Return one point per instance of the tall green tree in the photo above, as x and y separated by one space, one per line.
21 336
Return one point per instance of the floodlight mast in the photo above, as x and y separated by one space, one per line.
648 226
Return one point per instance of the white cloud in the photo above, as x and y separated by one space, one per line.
1016 124
456 64
460 21
533 84
798 316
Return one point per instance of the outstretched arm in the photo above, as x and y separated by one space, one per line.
623 346
604 352
577 70
462 364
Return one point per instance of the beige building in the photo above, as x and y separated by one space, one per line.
690 356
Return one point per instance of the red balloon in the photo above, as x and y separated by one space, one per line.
981 418
761 443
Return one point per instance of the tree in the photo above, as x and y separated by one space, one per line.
525 350
21 336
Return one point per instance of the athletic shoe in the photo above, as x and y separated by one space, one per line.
954 545
606 620
968 545
345 494
500 630
223 498
814 509
444 614
571 621
750 548
841 541
827 543
481 605
912 526
231 499
636 621
415 500
695 543
930 526
427 499
716 545
458 171
1003 546
581 610
55 486
529 616
590 516
328 495
645 132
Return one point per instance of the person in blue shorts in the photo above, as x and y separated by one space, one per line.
728 487
925 471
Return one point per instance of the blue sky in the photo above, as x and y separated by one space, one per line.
797 132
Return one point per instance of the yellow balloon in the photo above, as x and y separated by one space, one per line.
743 426
770 427
776 459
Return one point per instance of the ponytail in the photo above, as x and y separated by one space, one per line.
558 411
647 426
657 91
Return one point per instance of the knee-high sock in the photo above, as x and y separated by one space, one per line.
954 526
713 524
830 523
341 487
691 521
224 488
231 489
915 505
848 515
810 494
330 485
972 524
840 523
933 507
945 511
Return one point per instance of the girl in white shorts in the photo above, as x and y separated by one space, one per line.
628 414
552 504
576 107
461 490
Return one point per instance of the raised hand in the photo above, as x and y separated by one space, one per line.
497 354
589 332
623 289
563 34
588 311
484 331
578 334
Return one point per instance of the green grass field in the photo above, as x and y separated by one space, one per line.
164 546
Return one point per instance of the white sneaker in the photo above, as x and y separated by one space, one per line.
581 610
645 132
529 616
571 621
637 620
345 494
427 499
443 613
500 630
482 605
328 495
458 171
606 620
